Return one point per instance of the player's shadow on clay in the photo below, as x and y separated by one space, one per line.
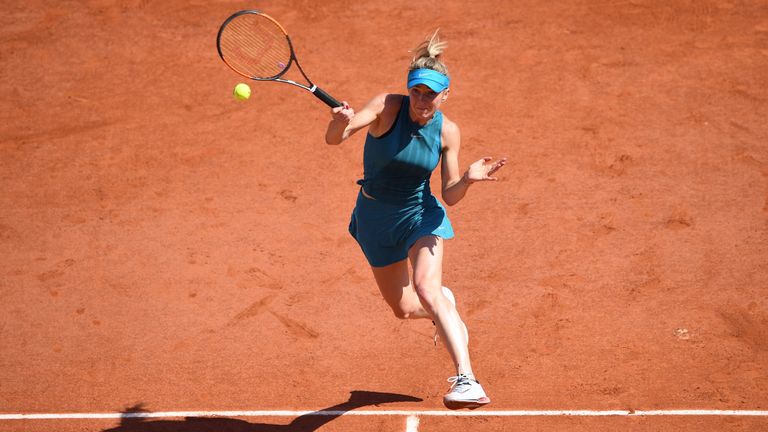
305 423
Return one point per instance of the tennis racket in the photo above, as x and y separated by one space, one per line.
256 46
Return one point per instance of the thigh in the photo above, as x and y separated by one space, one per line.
393 282
426 257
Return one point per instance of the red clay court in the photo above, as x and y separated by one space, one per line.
177 260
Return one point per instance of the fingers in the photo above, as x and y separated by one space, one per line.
343 113
497 166
483 169
491 168
344 106
487 159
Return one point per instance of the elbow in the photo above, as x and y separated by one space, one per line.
450 202
335 139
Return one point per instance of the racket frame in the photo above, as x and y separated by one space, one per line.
312 88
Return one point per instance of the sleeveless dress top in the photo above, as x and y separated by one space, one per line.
397 168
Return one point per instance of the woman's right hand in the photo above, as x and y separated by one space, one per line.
337 128
343 113
345 121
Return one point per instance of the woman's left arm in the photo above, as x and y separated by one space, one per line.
455 185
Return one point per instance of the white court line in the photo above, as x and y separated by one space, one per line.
412 424
406 413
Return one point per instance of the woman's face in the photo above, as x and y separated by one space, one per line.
424 102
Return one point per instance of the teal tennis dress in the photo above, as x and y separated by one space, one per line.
397 168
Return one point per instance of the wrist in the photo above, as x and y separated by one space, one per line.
465 178
344 121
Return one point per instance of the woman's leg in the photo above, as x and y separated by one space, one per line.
426 257
395 285
427 260
424 297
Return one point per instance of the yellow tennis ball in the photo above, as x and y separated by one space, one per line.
242 91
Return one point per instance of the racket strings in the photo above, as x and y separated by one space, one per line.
255 46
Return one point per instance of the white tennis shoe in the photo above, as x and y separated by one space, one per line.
451 298
465 392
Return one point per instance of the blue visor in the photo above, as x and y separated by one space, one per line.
430 78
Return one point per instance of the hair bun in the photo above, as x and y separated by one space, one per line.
427 55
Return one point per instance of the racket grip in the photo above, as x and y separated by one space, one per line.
325 97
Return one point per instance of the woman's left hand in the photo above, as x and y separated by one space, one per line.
483 170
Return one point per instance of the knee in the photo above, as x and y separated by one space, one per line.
430 295
405 312
401 314
407 308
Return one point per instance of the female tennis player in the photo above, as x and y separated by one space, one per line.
397 219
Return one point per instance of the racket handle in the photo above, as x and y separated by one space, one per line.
325 97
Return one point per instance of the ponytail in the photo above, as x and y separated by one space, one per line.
428 55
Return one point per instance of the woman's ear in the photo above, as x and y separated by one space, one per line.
445 94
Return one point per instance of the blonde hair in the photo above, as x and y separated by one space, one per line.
428 55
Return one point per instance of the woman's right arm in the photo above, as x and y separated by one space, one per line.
345 122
